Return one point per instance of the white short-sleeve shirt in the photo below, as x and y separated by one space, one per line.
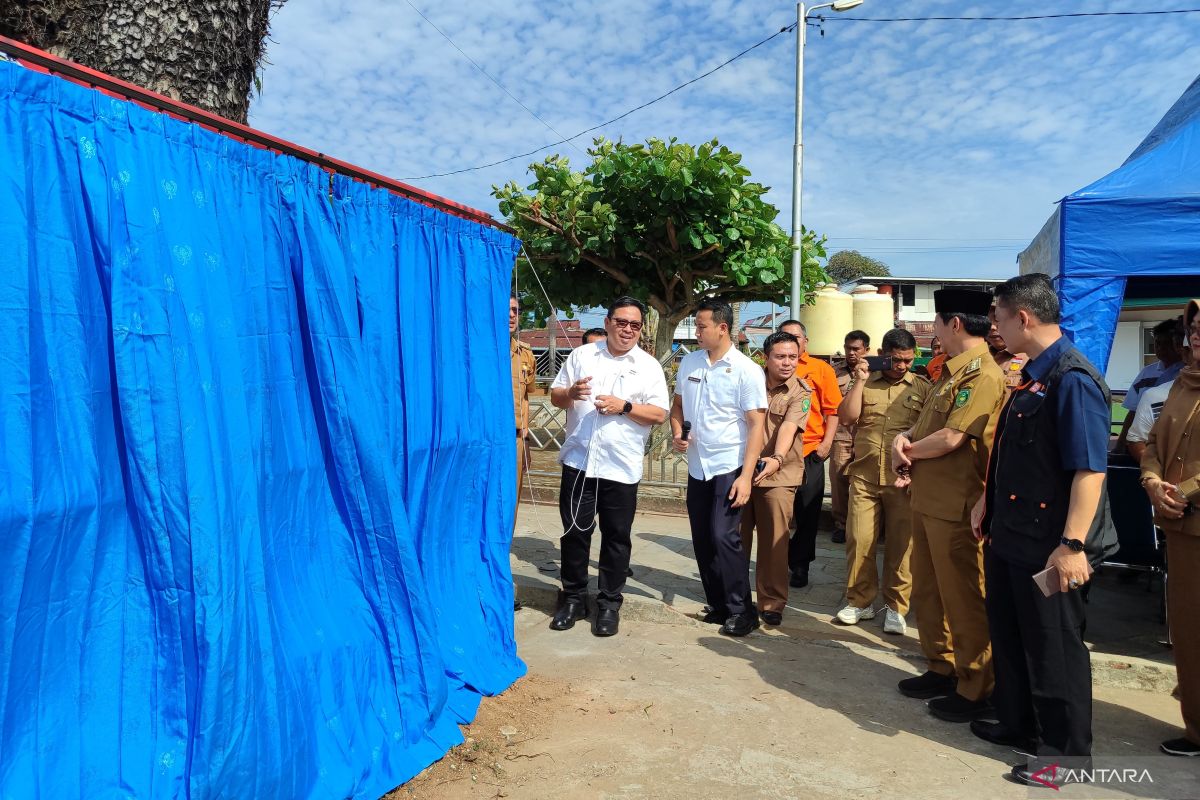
1151 375
716 398
609 446
1148 409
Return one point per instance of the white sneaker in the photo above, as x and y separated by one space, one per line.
851 615
893 622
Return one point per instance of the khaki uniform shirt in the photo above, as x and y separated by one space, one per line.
524 372
790 401
1173 449
967 398
845 433
1011 365
888 409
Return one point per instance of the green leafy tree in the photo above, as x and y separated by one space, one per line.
668 223
850 265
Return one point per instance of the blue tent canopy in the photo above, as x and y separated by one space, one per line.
1136 230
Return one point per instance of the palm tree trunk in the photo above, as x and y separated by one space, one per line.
201 52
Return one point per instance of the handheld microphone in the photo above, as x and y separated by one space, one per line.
687 429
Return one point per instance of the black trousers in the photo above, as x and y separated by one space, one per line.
579 500
1043 672
802 549
723 563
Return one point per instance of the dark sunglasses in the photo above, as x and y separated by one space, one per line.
626 323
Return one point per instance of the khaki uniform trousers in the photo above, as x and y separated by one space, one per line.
770 510
522 454
947 596
840 456
874 510
1183 597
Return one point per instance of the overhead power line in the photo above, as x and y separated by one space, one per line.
786 29
843 18
664 95
488 75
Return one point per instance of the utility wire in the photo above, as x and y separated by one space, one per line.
780 32
487 75
841 18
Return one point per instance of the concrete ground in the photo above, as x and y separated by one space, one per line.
668 708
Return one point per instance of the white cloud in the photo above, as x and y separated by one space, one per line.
930 129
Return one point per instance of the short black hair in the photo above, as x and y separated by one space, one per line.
722 312
594 332
973 324
776 338
787 322
1033 293
625 301
898 339
1169 328
859 336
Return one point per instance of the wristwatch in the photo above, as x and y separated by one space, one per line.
1074 544
628 407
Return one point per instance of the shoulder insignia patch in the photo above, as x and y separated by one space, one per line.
962 397
805 405
975 365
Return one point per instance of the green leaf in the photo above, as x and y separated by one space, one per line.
733 234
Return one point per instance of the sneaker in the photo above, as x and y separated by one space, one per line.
1180 747
851 615
893 622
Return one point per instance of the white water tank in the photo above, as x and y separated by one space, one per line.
873 313
828 320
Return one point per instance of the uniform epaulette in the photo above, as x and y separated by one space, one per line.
523 345
805 384
974 366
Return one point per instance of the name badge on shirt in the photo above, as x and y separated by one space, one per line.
693 379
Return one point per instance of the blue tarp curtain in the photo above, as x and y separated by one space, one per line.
259 473
1139 222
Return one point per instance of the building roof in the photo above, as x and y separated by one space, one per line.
570 335
894 279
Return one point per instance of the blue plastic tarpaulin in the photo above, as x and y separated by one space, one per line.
259 469
1139 222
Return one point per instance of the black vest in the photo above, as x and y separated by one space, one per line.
1028 491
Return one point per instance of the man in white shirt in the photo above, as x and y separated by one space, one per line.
614 393
722 395
1148 408
1168 348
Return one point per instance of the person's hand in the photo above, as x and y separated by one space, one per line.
608 404
580 390
680 444
1166 499
823 449
739 494
1073 570
861 370
977 513
770 467
901 462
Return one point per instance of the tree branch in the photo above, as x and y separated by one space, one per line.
616 273
702 253
671 235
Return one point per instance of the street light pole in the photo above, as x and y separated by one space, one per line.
798 149
797 299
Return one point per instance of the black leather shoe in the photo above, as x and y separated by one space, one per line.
839 536
956 708
1049 776
931 684
568 614
799 578
607 622
772 617
739 625
714 617
996 733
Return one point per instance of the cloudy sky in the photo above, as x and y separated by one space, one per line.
937 147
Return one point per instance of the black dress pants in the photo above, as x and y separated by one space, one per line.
802 549
723 563
579 500
1043 672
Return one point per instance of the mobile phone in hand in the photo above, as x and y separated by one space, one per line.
760 466
879 363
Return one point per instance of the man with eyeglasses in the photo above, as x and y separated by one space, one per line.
614 393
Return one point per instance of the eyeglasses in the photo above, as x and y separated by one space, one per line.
626 323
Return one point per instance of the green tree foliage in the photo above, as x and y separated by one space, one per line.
668 223
850 265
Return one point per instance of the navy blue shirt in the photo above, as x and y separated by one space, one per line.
1084 418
